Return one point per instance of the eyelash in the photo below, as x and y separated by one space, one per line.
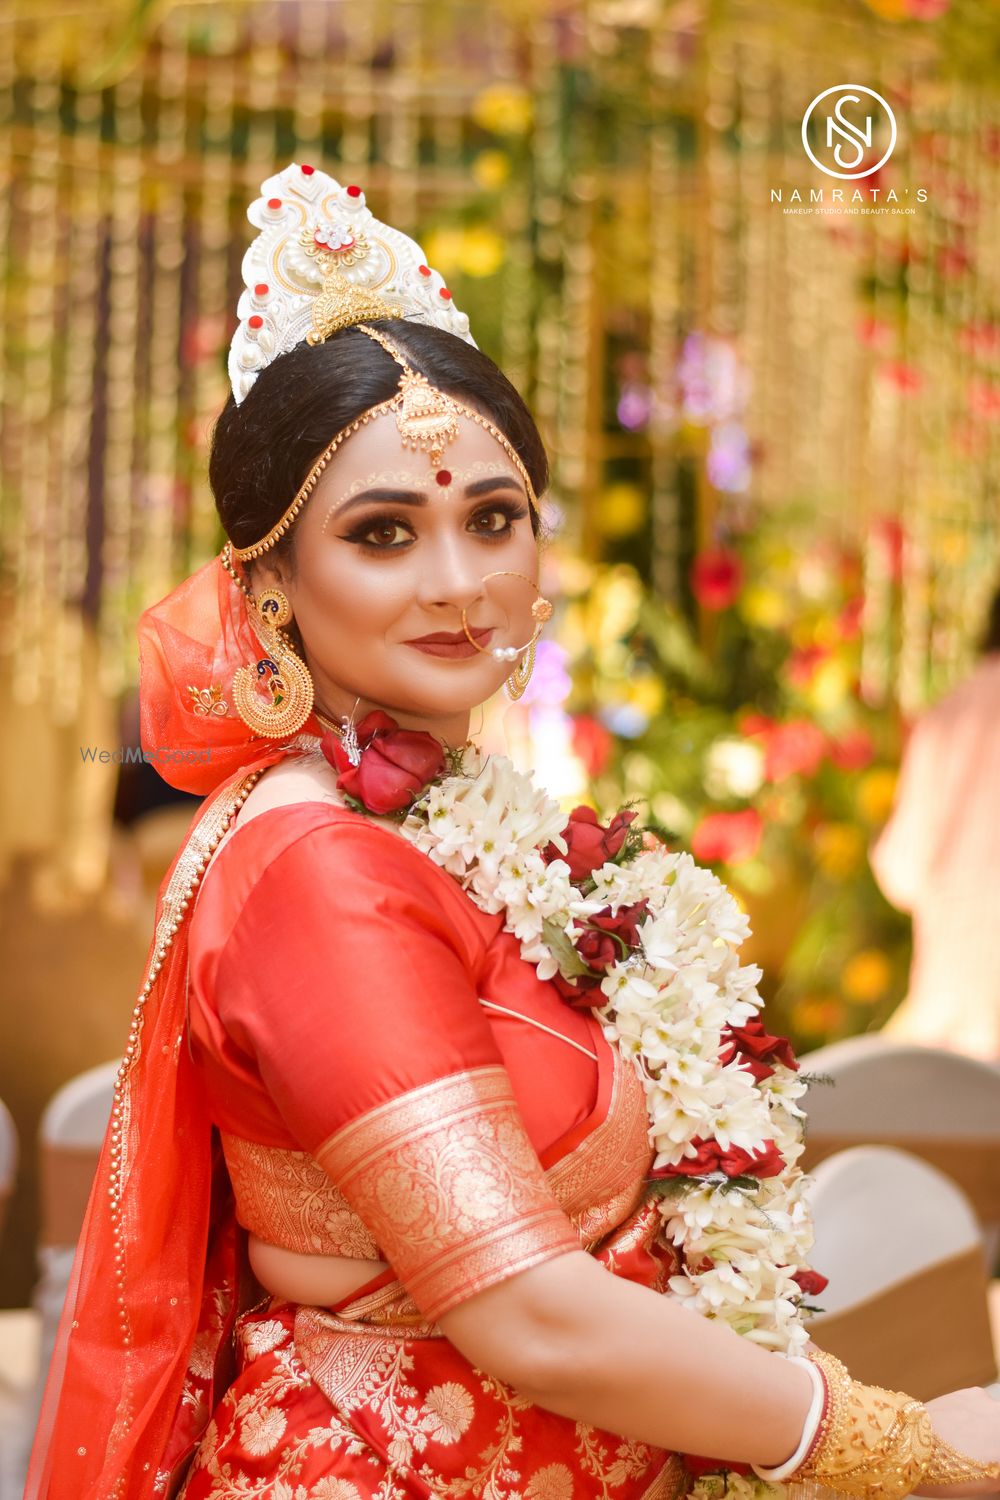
509 508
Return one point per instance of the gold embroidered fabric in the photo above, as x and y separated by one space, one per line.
601 1181
286 1198
449 1183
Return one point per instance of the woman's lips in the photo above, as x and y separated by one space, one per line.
457 648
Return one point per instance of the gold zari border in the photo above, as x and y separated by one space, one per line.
450 1186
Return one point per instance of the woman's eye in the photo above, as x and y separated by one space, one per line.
390 534
385 534
491 520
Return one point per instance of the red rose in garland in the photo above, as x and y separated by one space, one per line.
584 993
609 935
607 938
710 1157
588 844
755 1049
811 1283
395 765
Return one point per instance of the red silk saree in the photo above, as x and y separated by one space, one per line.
391 1081
336 1050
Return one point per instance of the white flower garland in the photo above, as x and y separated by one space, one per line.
666 1008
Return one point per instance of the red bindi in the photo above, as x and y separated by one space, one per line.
443 477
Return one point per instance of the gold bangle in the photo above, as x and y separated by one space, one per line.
870 1441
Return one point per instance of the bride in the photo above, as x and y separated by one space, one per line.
442 1116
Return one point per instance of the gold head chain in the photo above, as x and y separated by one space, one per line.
427 419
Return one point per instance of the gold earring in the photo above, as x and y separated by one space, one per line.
541 611
286 677
518 680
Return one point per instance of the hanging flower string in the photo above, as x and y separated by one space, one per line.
647 940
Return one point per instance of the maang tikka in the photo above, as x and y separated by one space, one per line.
322 262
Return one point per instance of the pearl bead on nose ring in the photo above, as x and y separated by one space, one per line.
541 611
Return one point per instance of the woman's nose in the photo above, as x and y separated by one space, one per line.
452 573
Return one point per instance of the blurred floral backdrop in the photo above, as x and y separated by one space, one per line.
774 428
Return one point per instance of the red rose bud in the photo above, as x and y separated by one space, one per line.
853 751
767 1162
755 1049
728 837
810 1283
710 1157
796 748
599 947
583 993
592 743
395 767
704 1161
716 579
589 845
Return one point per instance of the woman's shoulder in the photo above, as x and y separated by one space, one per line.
295 826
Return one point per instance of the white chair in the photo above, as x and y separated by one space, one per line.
907 1302
938 1105
18 1338
70 1138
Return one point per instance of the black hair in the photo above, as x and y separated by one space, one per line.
263 449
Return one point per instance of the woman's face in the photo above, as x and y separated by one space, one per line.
390 549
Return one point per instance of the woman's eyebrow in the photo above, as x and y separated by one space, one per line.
419 497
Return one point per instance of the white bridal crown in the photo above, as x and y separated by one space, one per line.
321 262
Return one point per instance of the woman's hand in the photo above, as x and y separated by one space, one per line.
970 1421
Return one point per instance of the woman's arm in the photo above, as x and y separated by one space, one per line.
599 1349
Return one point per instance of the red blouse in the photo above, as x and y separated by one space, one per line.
340 990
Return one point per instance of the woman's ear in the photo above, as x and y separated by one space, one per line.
272 574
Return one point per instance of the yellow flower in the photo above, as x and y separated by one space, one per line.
646 693
483 251
621 509
491 169
504 108
866 976
443 248
840 848
764 607
830 685
614 602
876 792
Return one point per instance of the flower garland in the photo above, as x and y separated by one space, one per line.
648 940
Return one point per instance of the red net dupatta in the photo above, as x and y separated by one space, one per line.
154 1251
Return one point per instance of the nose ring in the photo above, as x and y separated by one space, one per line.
541 611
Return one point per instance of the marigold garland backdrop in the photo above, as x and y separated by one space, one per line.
773 414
